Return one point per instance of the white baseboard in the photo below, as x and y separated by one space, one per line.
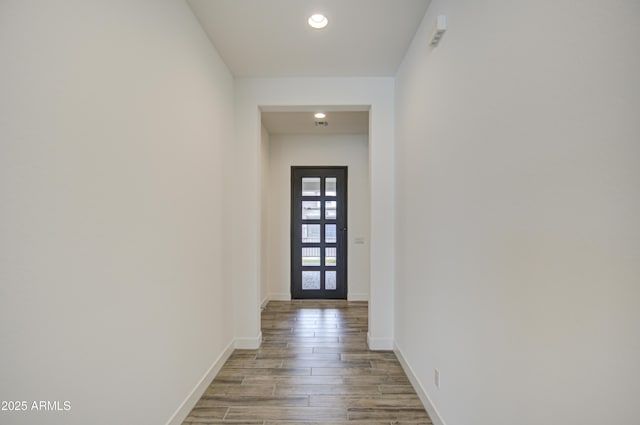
280 296
417 385
183 410
251 343
358 297
379 344
264 302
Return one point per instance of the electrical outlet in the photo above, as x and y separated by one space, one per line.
436 378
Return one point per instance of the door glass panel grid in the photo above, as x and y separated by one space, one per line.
320 268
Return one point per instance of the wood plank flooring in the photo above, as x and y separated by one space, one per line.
313 367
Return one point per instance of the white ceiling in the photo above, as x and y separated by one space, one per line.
271 38
340 122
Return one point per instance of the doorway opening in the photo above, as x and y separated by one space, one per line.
290 138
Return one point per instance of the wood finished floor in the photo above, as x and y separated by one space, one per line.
313 367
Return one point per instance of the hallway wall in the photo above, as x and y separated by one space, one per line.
265 231
114 117
517 205
305 149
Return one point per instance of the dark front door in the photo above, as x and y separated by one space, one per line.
319 232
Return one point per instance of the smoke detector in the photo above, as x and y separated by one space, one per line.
439 30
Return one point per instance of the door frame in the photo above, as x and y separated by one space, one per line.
341 235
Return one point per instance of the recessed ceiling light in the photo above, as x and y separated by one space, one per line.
320 115
318 21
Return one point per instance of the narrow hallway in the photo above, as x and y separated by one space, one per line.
314 366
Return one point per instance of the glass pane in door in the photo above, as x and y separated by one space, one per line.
330 233
330 186
311 210
310 280
311 256
311 186
310 233
330 280
330 210
330 257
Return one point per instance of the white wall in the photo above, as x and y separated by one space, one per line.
306 149
251 95
265 264
113 120
517 235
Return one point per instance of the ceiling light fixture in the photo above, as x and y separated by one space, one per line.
320 115
318 21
